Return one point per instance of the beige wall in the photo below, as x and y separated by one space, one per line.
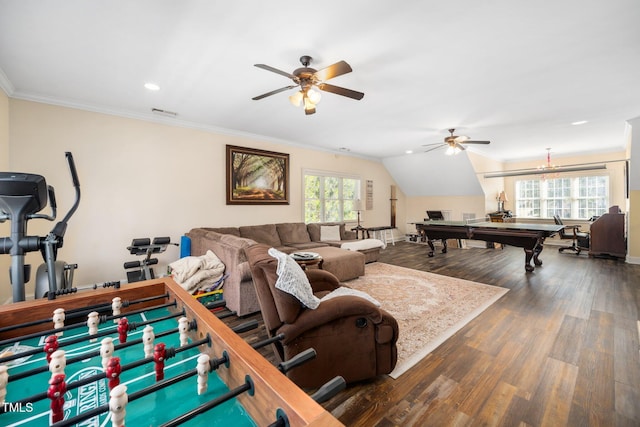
142 179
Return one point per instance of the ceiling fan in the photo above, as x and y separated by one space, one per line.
453 143
310 79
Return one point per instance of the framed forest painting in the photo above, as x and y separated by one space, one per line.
256 177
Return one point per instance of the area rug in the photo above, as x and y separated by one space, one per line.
429 307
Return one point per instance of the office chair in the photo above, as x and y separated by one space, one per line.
580 240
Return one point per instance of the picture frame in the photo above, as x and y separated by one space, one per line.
256 177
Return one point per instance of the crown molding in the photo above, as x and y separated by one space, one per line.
174 121
5 84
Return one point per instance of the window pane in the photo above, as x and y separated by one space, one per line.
578 198
332 211
330 198
331 188
311 187
312 211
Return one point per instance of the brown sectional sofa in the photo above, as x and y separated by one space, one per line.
228 243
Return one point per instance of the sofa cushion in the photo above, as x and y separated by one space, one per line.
237 242
293 232
329 233
306 246
314 231
224 230
267 234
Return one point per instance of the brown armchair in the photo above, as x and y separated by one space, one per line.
352 337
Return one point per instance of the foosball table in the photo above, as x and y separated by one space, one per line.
146 354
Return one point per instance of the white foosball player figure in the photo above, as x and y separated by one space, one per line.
58 320
106 351
58 363
4 380
183 327
92 324
203 372
117 405
148 337
116 305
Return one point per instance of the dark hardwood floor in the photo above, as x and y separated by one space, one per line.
561 348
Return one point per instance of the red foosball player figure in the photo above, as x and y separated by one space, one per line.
159 354
56 391
113 372
123 329
50 345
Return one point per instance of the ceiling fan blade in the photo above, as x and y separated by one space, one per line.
459 146
476 142
429 145
460 139
273 92
275 70
335 70
341 91
435 148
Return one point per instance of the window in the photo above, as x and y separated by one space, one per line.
330 197
577 198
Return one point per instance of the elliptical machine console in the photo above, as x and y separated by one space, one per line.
22 196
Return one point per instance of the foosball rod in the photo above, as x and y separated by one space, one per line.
171 352
81 357
268 341
79 325
67 291
79 312
137 395
324 393
246 387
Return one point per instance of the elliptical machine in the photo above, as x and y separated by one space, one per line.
22 196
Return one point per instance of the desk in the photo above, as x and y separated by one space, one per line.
530 237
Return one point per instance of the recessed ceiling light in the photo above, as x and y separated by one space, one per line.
408 152
152 86
580 122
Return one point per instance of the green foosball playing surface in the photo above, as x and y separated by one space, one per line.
154 409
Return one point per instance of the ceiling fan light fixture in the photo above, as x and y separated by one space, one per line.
296 98
309 106
314 96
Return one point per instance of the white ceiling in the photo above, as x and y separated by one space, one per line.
515 72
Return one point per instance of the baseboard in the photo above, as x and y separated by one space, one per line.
632 260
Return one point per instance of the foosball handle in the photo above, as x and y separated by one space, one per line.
329 389
244 327
297 360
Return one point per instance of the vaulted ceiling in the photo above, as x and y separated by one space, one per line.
517 73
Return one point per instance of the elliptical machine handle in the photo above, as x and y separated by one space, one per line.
72 168
61 227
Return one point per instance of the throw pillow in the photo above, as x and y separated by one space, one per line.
329 233
293 280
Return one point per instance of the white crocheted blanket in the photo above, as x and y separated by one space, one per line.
292 280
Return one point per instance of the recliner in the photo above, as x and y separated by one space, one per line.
352 337
580 240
